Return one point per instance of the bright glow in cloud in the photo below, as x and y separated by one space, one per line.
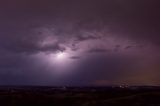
61 56
60 62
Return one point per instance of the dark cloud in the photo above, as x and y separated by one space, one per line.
135 19
98 50
30 47
128 47
117 48
75 57
81 38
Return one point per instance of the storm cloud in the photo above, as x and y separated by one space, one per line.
107 41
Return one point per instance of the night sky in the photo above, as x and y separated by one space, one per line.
79 42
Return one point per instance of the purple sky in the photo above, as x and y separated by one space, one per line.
79 42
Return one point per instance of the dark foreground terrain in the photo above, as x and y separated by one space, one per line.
79 96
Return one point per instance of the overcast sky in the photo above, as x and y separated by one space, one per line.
79 42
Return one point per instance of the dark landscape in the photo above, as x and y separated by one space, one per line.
80 96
